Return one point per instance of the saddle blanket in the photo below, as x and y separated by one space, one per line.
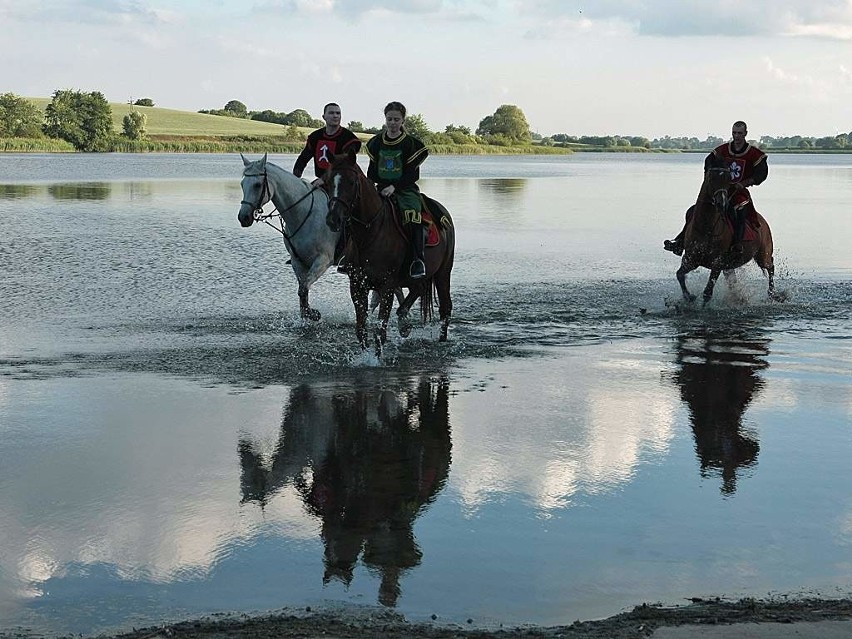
433 238
750 232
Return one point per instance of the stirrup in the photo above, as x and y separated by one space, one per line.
737 247
417 270
343 265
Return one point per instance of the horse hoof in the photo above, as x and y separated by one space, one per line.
312 314
405 330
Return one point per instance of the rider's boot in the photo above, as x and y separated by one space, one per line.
675 245
340 255
739 230
418 240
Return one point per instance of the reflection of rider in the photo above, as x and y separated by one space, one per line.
321 145
718 379
367 464
377 476
395 159
748 167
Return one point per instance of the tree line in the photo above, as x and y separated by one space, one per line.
84 119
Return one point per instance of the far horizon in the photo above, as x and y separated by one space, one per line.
622 134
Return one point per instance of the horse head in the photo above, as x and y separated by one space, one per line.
717 181
256 189
343 179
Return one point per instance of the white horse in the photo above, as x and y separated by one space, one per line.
302 208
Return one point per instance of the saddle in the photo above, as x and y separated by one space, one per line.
433 235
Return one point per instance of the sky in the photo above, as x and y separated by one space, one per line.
581 67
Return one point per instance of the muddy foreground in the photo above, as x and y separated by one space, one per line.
642 621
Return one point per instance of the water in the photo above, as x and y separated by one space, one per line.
176 441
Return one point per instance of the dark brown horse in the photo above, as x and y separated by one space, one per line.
709 237
380 252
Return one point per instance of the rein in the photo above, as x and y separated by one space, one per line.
720 217
350 205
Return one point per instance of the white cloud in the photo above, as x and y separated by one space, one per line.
777 73
816 18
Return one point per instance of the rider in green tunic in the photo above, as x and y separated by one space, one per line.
395 159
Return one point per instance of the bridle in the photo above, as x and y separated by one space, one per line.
265 196
720 200
348 206
720 196
259 215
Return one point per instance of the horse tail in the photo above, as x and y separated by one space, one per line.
426 301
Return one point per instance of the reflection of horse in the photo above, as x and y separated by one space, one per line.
709 235
384 456
302 210
718 378
379 248
306 428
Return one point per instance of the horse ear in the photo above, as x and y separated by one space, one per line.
245 162
263 160
343 158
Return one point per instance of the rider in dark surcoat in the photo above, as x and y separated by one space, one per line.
748 167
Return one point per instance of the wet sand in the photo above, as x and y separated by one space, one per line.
699 619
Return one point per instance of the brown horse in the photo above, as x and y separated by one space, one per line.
379 252
708 237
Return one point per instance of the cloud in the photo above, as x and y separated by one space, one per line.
777 73
455 10
670 18
95 12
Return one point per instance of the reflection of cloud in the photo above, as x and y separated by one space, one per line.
156 499
551 435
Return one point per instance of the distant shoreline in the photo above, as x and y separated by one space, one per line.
190 145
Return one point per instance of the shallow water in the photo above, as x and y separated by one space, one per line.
176 441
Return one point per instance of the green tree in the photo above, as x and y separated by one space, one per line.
133 125
355 125
236 108
144 102
19 118
83 119
415 125
459 134
300 117
508 122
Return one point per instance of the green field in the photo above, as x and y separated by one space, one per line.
171 122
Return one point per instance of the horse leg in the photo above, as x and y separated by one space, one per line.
405 305
445 302
685 267
766 262
711 283
305 309
358 292
385 305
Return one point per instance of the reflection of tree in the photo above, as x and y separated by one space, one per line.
80 191
504 186
718 378
16 191
384 457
